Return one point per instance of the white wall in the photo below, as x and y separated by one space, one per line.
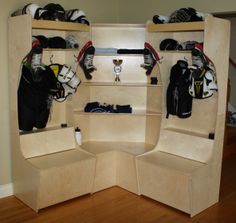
99 11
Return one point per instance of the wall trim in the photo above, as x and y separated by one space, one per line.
6 190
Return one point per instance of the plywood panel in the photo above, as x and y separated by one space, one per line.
46 142
185 145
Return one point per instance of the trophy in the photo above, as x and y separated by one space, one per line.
117 69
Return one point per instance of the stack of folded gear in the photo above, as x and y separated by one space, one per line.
107 108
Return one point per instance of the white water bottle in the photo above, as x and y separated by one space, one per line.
78 136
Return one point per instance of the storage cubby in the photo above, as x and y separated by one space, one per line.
172 160
47 165
134 89
183 170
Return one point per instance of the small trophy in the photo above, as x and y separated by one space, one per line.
117 68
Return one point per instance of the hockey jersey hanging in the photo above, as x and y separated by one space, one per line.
203 76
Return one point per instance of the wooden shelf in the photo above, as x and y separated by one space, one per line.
118 54
60 49
58 25
173 27
176 51
134 113
121 84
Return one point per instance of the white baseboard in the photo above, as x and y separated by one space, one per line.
6 190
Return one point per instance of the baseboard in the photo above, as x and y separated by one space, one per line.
6 190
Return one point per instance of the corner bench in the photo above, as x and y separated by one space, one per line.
116 163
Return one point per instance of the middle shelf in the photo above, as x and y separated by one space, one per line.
134 113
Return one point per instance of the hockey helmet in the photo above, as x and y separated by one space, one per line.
56 11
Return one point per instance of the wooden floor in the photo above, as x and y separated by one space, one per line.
116 205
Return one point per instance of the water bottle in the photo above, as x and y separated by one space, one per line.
78 136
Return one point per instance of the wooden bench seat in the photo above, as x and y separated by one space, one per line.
176 172
54 169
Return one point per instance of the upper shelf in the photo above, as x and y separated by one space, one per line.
173 27
58 25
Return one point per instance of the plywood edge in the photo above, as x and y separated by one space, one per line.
173 27
58 25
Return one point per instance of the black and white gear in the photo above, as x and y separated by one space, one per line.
149 61
68 80
86 63
36 65
64 93
64 73
56 11
33 60
200 87
71 42
203 75
184 15
76 15
160 19
34 10
150 58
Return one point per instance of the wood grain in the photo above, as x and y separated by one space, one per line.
116 205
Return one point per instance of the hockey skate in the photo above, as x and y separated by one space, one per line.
85 59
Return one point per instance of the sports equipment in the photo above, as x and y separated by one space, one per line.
184 15
203 75
160 19
34 10
65 75
56 12
178 99
35 98
64 92
76 15
56 42
187 45
71 42
33 60
42 40
169 44
85 59
68 81
150 58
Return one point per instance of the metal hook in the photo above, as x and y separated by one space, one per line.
76 58
185 59
161 59
50 59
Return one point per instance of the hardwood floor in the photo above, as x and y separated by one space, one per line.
116 205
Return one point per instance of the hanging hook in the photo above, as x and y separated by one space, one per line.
161 59
50 59
76 58
185 59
